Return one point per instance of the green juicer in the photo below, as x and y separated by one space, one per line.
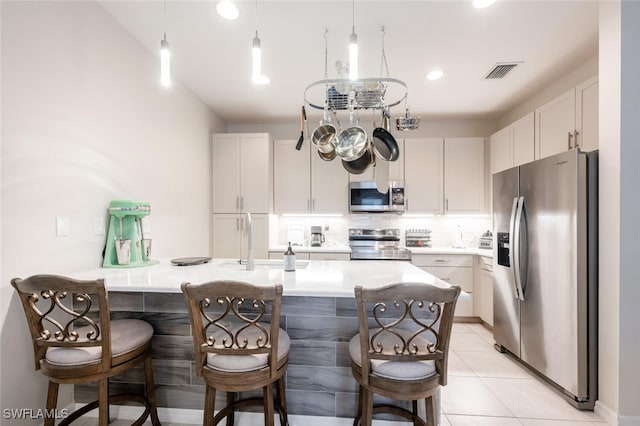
127 246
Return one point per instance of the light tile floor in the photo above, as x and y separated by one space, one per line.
484 388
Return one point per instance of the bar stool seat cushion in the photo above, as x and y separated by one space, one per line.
126 335
395 370
242 363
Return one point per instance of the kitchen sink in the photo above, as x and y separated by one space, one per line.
261 264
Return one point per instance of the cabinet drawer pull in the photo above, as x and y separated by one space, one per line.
442 260
445 279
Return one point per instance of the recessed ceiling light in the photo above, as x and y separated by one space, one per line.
435 75
227 9
481 4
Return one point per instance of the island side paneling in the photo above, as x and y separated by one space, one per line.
318 382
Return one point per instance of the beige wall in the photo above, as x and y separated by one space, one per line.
629 215
85 121
609 210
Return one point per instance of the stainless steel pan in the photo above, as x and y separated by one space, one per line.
324 136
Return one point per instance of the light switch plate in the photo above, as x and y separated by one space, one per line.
62 226
98 226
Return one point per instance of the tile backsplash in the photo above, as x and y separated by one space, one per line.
444 228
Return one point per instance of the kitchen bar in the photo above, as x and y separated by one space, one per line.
318 312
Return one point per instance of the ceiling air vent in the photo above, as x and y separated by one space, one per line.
500 70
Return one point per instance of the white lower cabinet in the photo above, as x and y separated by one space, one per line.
456 270
483 300
230 239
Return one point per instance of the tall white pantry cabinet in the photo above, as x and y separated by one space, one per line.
242 182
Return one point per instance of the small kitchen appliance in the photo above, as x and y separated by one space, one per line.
418 237
486 241
317 237
377 244
126 244
365 197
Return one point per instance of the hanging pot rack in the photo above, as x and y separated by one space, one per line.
366 93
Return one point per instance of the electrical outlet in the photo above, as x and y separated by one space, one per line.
62 226
98 226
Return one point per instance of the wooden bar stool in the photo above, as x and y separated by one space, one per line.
70 346
239 345
404 355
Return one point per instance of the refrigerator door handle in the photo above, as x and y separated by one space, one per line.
512 248
517 244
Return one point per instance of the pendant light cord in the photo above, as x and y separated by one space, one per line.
326 33
383 61
353 16
165 20
257 18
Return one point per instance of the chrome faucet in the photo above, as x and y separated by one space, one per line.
249 233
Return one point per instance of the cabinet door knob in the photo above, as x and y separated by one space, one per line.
576 139
569 140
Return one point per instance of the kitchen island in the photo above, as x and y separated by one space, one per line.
318 312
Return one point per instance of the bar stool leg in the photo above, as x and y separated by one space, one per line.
52 402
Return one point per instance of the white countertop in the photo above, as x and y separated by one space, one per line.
337 248
320 278
451 250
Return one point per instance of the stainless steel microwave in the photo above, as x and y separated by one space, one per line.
365 197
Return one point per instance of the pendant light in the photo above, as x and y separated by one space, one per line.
165 55
353 47
256 56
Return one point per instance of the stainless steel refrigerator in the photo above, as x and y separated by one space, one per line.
545 269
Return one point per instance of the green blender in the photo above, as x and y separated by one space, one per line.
126 245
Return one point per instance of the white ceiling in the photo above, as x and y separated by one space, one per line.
212 57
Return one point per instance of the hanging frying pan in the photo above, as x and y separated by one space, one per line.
385 145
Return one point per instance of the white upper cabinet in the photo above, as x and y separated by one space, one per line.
513 145
523 139
424 175
587 115
305 183
555 125
329 185
291 176
396 168
464 175
501 150
568 121
241 173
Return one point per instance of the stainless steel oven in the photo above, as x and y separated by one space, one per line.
365 197
377 244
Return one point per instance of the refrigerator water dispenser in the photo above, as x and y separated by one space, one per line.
503 249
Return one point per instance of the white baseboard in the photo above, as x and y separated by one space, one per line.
607 414
614 419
